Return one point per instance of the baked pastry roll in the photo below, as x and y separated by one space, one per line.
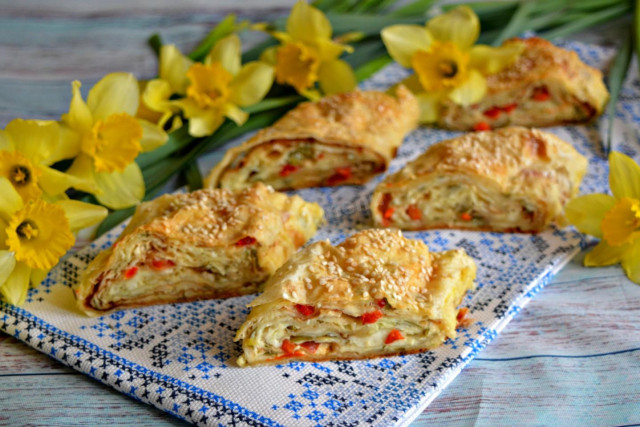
205 244
545 86
511 179
345 138
375 294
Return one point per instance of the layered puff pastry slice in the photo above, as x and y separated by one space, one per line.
376 294
201 245
345 138
545 86
511 180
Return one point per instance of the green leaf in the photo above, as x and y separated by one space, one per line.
418 7
155 42
367 24
370 68
517 24
636 29
271 103
193 176
223 29
589 20
615 80
178 139
113 219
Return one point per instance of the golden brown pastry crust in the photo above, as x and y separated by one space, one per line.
346 282
511 164
546 86
195 237
364 121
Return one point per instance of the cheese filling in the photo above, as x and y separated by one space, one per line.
302 163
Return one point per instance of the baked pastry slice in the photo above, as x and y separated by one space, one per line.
545 86
375 294
342 139
511 179
205 244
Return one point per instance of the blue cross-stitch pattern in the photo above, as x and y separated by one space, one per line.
181 357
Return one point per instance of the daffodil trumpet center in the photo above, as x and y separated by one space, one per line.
20 175
621 224
442 66
209 85
39 234
113 143
27 230
297 65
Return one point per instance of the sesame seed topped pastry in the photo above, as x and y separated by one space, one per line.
545 86
200 245
511 179
342 139
375 294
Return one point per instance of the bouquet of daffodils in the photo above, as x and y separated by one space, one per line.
121 144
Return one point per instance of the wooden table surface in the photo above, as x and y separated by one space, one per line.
571 357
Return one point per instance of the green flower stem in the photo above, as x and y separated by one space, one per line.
636 29
178 139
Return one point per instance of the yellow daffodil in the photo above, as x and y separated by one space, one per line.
155 103
307 54
109 138
445 62
218 87
615 220
27 149
34 235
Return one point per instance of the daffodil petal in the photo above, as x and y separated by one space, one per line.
14 289
7 264
329 50
68 145
460 26
429 106
54 182
36 139
490 60
234 113
471 90
202 122
270 55
119 190
307 23
336 77
6 143
82 168
252 83
152 136
37 276
311 94
631 262
402 41
624 176
156 95
173 68
79 116
604 254
82 215
10 200
114 93
227 52
586 212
